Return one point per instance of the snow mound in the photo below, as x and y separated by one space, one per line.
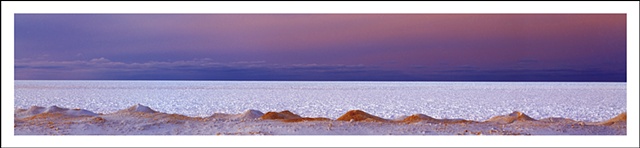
140 111
280 115
33 110
69 112
79 112
250 114
513 117
139 108
52 111
288 116
620 119
421 117
358 115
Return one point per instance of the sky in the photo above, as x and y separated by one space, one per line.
321 47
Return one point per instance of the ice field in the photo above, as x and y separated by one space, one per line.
583 101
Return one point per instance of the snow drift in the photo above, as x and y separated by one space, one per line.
140 119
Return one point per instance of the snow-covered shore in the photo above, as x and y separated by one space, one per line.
142 120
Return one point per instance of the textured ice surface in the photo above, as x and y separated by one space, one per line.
467 100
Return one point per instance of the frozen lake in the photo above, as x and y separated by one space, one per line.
592 101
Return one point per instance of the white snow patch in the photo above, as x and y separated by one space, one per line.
140 108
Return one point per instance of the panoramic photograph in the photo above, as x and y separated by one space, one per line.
320 74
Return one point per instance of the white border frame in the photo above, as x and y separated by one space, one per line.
10 8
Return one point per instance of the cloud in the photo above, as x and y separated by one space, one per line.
100 60
208 69
103 68
544 74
